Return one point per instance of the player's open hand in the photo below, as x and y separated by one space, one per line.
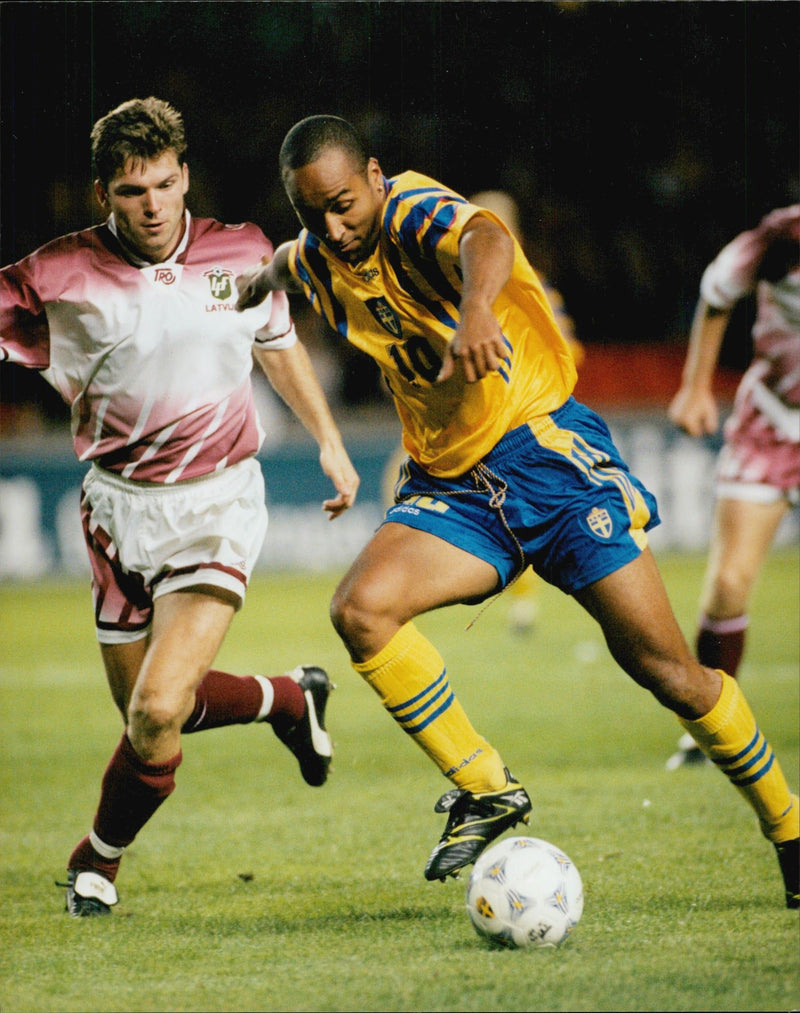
336 464
254 285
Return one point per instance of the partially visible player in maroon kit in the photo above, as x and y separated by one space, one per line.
134 322
758 469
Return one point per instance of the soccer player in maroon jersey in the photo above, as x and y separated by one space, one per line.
758 469
134 322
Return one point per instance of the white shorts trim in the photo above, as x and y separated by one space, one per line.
755 492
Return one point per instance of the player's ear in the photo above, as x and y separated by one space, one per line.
101 194
185 172
375 175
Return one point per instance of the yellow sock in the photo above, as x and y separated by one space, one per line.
410 678
730 737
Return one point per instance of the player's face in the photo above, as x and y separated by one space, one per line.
148 205
338 204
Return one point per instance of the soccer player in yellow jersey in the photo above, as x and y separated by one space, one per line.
505 470
523 594
524 591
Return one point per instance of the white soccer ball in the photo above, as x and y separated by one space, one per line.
524 892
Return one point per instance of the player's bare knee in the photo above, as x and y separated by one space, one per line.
149 716
351 620
729 593
365 621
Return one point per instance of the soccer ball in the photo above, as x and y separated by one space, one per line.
524 892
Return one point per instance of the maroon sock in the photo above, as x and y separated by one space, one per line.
289 704
85 857
223 699
720 643
131 792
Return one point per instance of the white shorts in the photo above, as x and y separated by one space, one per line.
146 539
760 459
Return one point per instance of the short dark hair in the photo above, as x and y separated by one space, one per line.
139 129
307 140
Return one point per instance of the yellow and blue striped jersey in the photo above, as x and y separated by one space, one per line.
401 307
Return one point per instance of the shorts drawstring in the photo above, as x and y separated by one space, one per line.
485 481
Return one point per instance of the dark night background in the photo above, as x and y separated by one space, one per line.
637 137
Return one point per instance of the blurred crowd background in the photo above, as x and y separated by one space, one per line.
636 138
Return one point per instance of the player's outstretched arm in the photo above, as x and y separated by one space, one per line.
694 407
256 283
782 223
292 375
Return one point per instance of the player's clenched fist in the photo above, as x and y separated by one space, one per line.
253 285
256 283
782 223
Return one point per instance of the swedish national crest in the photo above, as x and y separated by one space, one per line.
385 315
599 521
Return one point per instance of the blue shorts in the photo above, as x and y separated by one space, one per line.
553 494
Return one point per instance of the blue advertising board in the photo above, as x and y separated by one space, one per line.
40 488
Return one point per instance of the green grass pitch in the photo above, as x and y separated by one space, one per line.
251 891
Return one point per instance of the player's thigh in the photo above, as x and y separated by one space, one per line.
632 607
122 663
187 632
404 572
645 639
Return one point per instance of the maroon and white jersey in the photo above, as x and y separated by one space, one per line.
153 359
737 271
761 454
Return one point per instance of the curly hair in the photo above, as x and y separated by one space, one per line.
137 130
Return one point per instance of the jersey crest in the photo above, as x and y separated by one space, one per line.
599 521
385 315
219 281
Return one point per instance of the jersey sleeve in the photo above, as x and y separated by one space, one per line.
308 266
24 332
427 220
733 273
280 331
424 222
295 263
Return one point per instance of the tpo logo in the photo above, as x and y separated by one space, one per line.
164 276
